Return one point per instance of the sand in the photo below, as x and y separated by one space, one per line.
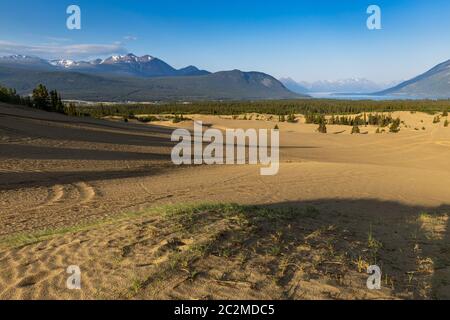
70 188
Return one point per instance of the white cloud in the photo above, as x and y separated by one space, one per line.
57 39
130 38
54 51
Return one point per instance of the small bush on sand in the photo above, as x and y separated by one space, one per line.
395 126
148 119
291 118
322 128
178 118
355 130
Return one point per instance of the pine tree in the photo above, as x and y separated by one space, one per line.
41 98
9 95
322 127
395 126
446 123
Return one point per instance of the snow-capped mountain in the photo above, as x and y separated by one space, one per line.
25 61
123 65
63 63
132 78
352 85
129 58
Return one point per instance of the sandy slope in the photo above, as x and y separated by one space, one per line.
59 172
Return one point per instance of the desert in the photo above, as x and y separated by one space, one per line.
103 194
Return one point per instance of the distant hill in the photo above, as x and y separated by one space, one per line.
132 78
354 85
293 85
434 84
225 85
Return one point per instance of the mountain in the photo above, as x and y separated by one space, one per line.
294 86
192 71
121 65
26 62
433 84
353 85
75 83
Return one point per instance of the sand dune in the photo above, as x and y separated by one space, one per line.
69 188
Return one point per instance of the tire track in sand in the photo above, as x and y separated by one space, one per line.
62 202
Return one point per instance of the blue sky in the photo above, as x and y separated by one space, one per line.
305 40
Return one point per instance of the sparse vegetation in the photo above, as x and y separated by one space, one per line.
322 128
147 119
355 130
436 119
373 245
395 126
291 118
178 118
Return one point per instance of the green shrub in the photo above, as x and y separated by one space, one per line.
355 130
322 128
178 118
148 119
291 118
395 126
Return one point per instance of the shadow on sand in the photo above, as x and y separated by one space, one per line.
329 241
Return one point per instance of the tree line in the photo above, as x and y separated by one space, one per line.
381 120
277 107
41 98
285 109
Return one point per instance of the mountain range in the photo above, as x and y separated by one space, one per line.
353 85
146 78
132 78
433 84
